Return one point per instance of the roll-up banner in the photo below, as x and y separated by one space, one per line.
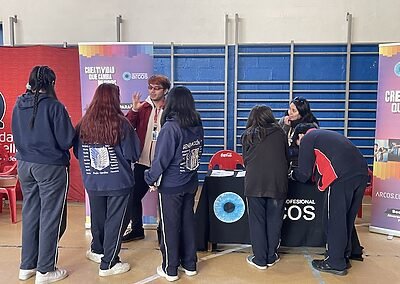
385 215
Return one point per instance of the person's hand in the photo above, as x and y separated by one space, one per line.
290 175
153 188
290 171
286 120
136 104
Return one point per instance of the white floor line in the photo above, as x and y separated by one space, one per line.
211 256
315 273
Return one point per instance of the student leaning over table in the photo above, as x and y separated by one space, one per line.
340 169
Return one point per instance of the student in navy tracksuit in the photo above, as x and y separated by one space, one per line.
43 134
340 168
174 173
106 146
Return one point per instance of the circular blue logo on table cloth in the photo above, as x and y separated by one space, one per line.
397 69
229 207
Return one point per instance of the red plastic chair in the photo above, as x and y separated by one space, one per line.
368 190
11 193
9 170
9 183
226 160
4 158
7 163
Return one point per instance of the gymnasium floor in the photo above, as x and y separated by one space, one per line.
228 265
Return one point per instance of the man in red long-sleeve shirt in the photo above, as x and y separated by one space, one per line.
145 117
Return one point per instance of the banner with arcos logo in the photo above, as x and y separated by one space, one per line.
385 215
128 65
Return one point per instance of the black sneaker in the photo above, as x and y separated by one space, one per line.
357 257
348 263
323 266
132 236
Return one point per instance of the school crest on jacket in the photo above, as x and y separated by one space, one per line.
191 153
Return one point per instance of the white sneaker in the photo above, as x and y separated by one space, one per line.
187 272
250 260
95 257
277 259
169 278
50 277
25 274
119 268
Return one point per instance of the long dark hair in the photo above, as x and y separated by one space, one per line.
103 120
180 104
41 80
260 120
303 107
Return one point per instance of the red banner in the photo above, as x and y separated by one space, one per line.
15 66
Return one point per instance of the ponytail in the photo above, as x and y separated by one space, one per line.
39 85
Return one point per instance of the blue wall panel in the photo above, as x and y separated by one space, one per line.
319 73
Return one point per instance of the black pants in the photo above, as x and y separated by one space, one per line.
178 241
135 208
44 211
343 201
265 222
107 215
356 248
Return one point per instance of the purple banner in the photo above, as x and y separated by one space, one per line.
385 215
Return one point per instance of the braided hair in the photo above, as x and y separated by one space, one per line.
41 80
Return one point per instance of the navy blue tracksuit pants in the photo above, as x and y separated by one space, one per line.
107 214
44 210
135 208
343 201
178 240
265 222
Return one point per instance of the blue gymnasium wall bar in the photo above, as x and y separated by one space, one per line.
1 33
273 74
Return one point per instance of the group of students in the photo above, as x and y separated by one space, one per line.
295 148
158 146
119 160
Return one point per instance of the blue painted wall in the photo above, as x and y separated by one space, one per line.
263 78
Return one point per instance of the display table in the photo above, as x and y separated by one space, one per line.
221 214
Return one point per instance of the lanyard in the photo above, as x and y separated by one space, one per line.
156 117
